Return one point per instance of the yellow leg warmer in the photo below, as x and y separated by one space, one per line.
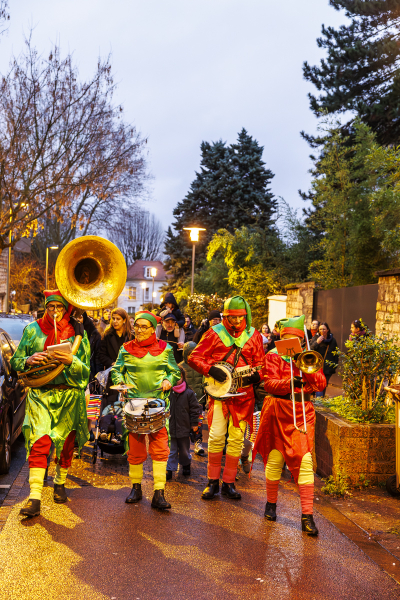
159 474
306 473
36 477
235 438
61 475
136 473
273 469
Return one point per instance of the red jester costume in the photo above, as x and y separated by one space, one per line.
278 440
236 342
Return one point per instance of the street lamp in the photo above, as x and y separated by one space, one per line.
47 264
153 273
143 288
194 236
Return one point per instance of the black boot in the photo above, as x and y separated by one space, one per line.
32 509
159 501
169 475
186 470
270 511
59 493
211 489
135 495
308 525
228 489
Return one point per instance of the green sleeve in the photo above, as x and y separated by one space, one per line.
172 369
18 360
118 370
77 374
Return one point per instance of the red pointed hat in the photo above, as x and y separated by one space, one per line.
54 296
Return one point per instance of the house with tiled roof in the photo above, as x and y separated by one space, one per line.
141 286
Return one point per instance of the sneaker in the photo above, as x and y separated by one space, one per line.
103 436
198 448
246 466
115 440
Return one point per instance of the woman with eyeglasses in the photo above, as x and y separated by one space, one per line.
149 366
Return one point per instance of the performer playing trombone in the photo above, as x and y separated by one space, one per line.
283 436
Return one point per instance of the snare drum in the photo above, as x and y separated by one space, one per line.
138 419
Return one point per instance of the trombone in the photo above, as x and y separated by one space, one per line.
308 361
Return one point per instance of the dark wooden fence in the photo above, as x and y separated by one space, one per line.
340 307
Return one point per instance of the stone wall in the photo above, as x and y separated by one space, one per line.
352 448
300 300
388 304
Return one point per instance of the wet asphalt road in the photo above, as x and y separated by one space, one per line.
17 461
97 546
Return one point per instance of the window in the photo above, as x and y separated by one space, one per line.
147 294
132 293
131 310
147 272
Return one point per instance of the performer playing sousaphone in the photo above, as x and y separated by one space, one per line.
283 436
56 411
149 367
235 342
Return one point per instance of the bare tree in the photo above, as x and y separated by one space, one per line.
4 15
65 151
139 235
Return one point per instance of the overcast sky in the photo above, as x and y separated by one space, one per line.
193 70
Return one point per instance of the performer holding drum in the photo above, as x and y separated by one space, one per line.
229 355
283 436
148 367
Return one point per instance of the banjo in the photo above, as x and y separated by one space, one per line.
233 382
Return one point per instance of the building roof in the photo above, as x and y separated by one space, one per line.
136 270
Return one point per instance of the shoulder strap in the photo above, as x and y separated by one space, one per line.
237 355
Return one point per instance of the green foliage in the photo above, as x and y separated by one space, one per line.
338 485
230 190
199 305
361 71
347 408
369 364
363 482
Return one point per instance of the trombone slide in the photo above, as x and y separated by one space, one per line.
294 402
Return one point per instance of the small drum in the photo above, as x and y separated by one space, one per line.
215 389
139 419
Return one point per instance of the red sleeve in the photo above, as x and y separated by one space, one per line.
316 382
201 358
258 354
276 380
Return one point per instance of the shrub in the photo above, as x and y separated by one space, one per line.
199 305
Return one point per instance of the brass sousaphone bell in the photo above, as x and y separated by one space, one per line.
90 274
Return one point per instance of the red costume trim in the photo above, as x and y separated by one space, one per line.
64 328
292 330
237 312
140 349
234 332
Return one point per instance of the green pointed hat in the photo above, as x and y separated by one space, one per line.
294 325
237 306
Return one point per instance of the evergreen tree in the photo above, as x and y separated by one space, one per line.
361 72
231 190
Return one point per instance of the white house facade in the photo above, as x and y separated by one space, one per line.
141 286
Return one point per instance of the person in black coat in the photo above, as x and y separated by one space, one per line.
94 337
324 343
185 411
170 306
116 334
214 317
189 329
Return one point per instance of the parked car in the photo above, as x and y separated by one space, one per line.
12 392
14 325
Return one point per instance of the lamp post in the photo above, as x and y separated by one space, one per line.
194 236
47 264
153 273
143 288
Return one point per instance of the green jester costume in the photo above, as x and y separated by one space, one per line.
55 412
146 364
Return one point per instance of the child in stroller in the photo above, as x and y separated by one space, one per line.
111 423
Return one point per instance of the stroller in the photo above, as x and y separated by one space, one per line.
108 419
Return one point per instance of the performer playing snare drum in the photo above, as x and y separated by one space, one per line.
149 365
236 342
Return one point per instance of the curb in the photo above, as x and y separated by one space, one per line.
13 493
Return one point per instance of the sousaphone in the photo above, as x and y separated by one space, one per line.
90 274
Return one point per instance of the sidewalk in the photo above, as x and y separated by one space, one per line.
98 547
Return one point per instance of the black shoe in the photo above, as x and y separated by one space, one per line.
186 471
211 489
246 466
169 475
135 495
228 489
59 493
159 501
32 509
308 525
91 436
270 511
